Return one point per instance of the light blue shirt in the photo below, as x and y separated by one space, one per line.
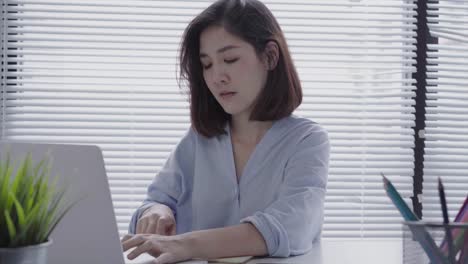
281 190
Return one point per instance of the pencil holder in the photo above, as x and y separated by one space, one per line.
425 243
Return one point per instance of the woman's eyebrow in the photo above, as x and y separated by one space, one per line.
221 50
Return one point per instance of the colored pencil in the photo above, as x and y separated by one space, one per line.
448 233
458 233
419 233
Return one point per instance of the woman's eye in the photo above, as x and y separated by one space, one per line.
231 61
206 67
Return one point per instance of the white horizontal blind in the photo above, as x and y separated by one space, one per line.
100 72
103 72
3 66
446 154
355 62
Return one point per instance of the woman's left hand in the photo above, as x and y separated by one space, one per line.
165 249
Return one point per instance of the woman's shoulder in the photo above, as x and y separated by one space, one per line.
304 135
194 138
188 140
299 127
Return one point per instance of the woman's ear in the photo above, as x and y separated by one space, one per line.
271 55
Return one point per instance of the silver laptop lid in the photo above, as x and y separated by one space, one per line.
88 233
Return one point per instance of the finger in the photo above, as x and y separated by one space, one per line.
125 238
133 242
143 248
152 227
163 259
173 231
140 226
161 227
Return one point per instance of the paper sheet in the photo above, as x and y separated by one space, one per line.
147 259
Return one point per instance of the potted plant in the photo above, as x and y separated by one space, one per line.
31 206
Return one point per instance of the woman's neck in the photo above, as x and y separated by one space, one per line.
245 131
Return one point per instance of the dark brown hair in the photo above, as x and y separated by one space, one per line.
253 22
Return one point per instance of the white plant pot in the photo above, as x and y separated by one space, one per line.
36 254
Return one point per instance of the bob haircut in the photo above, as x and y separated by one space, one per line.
251 21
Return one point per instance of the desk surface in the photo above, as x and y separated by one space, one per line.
362 251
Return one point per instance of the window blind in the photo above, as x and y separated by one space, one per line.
103 72
3 67
355 62
446 133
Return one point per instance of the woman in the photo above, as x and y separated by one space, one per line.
248 178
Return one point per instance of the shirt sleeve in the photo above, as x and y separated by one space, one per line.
168 185
294 220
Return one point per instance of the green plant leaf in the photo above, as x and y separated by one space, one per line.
32 205
30 200
5 187
31 194
31 225
24 188
5 172
55 203
10 225
20 175
43 218
59 217
20 212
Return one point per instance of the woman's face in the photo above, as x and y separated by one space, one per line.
232 70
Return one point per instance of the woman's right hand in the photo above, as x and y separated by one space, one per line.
158 220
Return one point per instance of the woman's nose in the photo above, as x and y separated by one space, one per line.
219 76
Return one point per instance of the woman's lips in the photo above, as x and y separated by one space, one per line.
227 95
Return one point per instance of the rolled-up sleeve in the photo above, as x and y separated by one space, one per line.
168 185
294 220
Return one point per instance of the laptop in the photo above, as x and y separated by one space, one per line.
88 233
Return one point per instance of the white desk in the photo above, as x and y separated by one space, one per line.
346 252
349 251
